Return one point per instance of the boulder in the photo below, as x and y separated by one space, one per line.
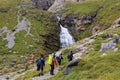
108 46
70 66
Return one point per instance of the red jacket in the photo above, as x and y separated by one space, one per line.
53 62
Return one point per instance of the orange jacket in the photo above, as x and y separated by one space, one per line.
54 62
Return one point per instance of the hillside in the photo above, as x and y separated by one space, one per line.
84 19
29 28
88 17
24 31
97 62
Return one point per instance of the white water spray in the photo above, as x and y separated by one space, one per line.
65 38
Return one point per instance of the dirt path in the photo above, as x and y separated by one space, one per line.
45 76
76 55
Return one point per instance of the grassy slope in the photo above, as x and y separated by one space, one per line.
108 13
44 25
41 21
94 67
91 66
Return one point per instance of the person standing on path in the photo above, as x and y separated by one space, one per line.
59 59
40 64
70 56
52 63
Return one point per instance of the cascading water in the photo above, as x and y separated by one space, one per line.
65 38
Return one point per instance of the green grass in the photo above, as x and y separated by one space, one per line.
107 13
43 24
43 29
93 66
82 8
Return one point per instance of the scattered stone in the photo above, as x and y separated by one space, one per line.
104 54
117 23
116 35
116 49
14 52
108 46
13 62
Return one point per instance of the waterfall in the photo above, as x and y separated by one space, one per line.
65 38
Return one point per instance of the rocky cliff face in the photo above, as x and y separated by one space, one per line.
78 24
43 4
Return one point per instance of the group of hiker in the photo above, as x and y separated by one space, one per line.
53 60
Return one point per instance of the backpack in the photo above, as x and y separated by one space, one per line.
39 61
50 59
69 55
58 58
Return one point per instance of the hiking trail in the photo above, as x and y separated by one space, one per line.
46 75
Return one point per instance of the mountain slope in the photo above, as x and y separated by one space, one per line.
88 17
94 63
41 24
25 30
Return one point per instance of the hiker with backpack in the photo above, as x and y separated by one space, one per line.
59 59
70 56
40 64
52 63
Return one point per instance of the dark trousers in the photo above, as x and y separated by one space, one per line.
52 69
59 62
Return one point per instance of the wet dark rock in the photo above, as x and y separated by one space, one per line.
4 10
70 66
43 4
72 19
73 63
68 21
78 24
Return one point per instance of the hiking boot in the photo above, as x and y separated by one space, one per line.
52 74
39 74
42 74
